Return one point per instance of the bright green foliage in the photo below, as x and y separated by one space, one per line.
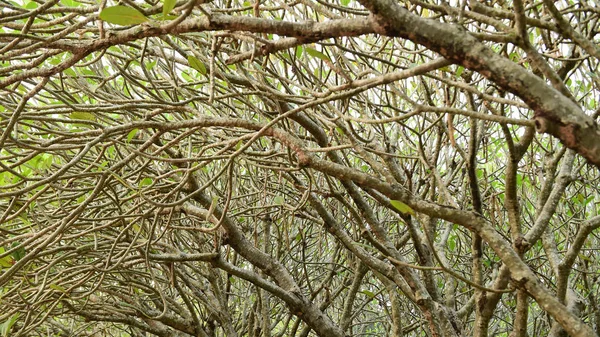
402 207
315 53
197 64
122 15
168 6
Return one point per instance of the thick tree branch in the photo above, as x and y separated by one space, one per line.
555 114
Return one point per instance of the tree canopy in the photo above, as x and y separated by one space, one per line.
294 168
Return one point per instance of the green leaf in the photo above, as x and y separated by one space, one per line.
70 72
146 182
132 134
122 15
56 287
150 65
127 305
345 2
587 201
168 6
452 242
167 17
7 325
70 3
7 261
299 51
315 53
19 253
86 116
585 258
459 71
41 162
32 5
368 293
402 207
197 64
278 200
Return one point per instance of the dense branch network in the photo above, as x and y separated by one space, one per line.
276 168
